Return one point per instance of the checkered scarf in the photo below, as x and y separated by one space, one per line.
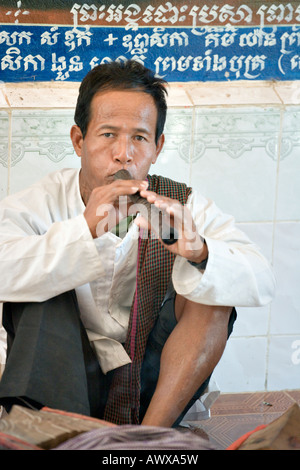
154 271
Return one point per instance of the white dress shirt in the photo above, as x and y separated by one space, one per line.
46 248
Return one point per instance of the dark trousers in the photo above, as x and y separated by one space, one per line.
50 361
49 358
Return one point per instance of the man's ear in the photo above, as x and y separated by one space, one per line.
77 139
159 146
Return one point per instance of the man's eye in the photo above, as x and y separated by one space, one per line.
140 138
107 134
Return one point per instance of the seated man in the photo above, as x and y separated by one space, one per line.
121 326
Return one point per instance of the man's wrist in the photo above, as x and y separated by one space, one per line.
201 262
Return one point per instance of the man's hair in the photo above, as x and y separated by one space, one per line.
129 75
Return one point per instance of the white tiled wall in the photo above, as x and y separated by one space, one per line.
240 145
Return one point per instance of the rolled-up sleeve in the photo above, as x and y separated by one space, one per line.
236 273
46 248
36 267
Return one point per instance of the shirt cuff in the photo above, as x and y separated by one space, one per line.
110 353
201 285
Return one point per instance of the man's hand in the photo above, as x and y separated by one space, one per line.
190 244
103 209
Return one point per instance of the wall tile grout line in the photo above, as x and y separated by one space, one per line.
9 148
279 141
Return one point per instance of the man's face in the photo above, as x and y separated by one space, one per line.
120 134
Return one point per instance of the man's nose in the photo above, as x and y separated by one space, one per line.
123 152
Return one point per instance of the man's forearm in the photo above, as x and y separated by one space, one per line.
189 356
